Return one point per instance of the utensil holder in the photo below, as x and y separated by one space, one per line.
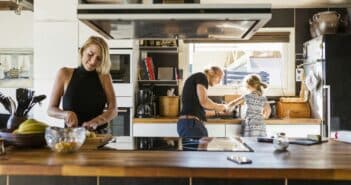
14 121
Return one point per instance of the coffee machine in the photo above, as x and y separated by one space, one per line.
146 103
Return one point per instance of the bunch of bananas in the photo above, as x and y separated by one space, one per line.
30 126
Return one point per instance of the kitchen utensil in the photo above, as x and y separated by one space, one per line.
328 21
5 102
65 140
23 140
293 110
24 98
35 100
14 121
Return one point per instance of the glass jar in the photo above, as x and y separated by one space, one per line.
281 142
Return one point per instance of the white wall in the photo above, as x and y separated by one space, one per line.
55 46
16 31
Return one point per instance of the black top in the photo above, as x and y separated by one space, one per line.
84 95
190 100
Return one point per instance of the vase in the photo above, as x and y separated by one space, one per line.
14 121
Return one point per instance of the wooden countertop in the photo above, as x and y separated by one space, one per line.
296 121
330 160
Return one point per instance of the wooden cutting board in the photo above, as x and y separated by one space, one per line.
93 143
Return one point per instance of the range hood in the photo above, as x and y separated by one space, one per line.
175 21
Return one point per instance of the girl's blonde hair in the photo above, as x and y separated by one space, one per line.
105 65
255 82
213 71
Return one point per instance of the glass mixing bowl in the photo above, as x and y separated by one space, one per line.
65 140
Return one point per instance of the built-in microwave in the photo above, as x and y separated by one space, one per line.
121 68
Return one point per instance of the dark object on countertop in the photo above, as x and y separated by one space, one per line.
3 120
36 140
297 141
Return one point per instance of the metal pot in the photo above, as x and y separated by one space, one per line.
327 21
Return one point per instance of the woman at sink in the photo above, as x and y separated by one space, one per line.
86 90
195 101
255 107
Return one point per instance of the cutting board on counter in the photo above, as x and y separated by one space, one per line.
94 142
293 110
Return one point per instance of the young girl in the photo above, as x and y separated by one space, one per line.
255 108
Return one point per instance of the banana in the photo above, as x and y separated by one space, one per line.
31 126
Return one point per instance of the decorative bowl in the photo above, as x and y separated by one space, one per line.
34 140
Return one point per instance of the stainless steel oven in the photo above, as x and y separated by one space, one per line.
121 65
121 124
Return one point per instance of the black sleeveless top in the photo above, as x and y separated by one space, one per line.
85 95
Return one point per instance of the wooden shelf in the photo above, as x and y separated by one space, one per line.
159 49
158 82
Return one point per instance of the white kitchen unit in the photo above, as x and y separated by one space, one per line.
293 130
216 130
232 130
155 129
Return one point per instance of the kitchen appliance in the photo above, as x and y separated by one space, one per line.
121 65
176 21
121 124
146 104
328 58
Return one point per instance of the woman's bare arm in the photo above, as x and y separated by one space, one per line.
207 103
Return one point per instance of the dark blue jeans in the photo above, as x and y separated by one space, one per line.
191 128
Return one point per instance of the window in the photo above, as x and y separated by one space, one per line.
274 62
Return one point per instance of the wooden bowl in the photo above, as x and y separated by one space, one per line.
23 140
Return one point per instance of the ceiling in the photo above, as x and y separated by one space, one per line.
287 3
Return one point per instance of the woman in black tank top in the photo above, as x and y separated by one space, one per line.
86 90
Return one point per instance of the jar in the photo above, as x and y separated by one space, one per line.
281 142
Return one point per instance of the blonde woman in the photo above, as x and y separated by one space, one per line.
255 107
195 101
85 90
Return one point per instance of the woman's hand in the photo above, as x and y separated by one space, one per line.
71 119
90 125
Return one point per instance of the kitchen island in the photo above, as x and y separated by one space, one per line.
327 161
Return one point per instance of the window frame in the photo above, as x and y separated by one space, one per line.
289 69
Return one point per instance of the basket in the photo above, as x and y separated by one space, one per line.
169 106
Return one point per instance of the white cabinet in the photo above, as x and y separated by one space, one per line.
232 130
155 129
216 130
